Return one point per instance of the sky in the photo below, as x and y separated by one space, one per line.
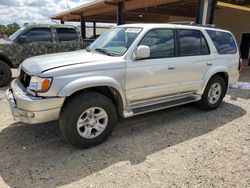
33 11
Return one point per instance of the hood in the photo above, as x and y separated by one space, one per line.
38 64
5 41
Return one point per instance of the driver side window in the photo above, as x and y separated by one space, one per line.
160 42
39 35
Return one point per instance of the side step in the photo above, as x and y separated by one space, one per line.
159 106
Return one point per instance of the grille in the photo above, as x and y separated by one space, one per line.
24 78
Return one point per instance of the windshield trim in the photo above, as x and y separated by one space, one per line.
20 31
121 27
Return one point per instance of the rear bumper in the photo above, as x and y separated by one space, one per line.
233 79
30 109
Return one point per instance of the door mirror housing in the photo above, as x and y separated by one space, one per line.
21 40
142 52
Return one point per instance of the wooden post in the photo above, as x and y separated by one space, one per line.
200 10
211 10
120 13
94 29
205 12
83 27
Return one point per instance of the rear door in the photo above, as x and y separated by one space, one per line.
67 39
194 59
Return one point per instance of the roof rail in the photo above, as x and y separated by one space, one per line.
193 23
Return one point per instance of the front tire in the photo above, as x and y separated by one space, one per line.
5 74
87 119
214 93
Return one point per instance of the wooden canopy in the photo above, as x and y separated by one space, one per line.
136 10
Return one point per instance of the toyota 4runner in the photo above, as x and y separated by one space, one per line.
129 70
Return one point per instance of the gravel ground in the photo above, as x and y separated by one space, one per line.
177 147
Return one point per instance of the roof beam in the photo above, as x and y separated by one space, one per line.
232 6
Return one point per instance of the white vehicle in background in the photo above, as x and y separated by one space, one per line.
129 70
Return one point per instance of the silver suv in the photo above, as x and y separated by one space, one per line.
129 70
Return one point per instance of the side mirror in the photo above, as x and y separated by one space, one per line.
142 52
22 40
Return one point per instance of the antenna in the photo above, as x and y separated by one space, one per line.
67 3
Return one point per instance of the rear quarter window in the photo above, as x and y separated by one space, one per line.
66 34
223 41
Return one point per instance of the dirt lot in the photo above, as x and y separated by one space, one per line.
178 147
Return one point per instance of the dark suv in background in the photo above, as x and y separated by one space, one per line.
33 40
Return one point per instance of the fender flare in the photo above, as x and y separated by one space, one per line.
211 73
93 81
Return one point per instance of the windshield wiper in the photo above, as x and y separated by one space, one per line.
104 51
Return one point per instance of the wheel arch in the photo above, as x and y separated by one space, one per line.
5 59
108 87
222 73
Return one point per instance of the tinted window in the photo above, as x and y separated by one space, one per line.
66 34
223 42
160 42
192 42
39 35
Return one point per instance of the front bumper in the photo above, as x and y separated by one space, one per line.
30 109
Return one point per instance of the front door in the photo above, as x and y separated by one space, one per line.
156 76
39 42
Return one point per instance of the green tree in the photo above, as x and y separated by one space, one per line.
9 29
2 29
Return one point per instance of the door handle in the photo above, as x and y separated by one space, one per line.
171 67
209 64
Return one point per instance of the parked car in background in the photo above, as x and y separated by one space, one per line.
33 40
127 71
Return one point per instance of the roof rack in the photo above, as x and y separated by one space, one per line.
193 23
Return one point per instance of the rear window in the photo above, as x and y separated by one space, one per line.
192 42
224 42
66 34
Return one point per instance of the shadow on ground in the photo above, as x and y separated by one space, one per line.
37 155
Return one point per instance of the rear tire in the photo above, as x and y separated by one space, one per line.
5 74
213 95
87 119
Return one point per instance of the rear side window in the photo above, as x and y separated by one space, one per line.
66 34
39 35
223 42
192 42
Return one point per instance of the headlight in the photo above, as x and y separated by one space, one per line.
38 84
19 70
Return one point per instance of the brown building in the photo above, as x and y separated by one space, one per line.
233 15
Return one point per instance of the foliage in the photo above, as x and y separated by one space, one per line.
9 29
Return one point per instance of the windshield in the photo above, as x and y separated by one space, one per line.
17 33
116 41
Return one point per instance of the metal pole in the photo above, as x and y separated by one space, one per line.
120 13
83 27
